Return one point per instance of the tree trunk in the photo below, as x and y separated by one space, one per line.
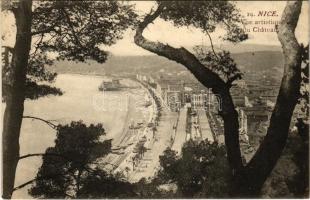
208 79
247 180
261 165
15 100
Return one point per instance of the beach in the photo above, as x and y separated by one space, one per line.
81 101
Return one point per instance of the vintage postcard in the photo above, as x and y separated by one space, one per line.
154 99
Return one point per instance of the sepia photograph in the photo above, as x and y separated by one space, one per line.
154 99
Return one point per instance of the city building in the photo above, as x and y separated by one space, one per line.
253 119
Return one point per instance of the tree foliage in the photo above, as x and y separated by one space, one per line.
101 184
206 15
36 70
67 164
70 30
201 170
219 62
76 30
37 81
249 179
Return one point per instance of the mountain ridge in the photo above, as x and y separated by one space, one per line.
246 61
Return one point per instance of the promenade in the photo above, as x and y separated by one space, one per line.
162 129
206 132
180 135
156 138
156 146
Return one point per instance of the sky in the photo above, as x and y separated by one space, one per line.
165 32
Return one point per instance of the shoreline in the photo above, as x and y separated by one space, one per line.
74 105
142 132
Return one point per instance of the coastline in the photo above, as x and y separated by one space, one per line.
78 97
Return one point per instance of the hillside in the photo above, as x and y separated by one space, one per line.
243 48
250 48
248 61
260 60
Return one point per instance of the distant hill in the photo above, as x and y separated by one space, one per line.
259 60
243 48
250 48
246 61
117 64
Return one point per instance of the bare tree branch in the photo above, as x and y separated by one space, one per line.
10 49
42 154
180 55
54 126
212 46
51 176
24 184
36 179
47 30
37 46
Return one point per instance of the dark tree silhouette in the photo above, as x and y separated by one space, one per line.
201 170
248 179
72 30
67 164
15 98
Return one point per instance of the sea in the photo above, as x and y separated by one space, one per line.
81 100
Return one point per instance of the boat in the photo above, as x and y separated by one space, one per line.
113 85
